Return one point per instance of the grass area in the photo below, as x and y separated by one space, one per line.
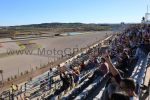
22 47
44 28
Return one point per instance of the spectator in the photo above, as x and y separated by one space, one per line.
101 71
50 77
119 96
145 46
66 81
124 63
82 66
67 65
75 73
112 88
126 84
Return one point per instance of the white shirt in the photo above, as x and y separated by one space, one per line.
134 98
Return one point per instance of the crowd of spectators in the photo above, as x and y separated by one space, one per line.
125 52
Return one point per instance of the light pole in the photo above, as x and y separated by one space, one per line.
1 72
48 60
18 71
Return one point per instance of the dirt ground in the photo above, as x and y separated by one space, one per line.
15 64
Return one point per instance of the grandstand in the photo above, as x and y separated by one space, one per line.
129 54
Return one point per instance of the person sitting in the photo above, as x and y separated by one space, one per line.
82 66
124 63
66 79
145 47
102 69
75 74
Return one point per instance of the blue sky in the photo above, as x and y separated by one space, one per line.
18 12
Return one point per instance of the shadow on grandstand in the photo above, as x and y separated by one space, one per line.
96 92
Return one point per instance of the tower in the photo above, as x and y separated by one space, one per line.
147 16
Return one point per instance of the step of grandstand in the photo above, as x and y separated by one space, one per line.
98 97
98 91
87 93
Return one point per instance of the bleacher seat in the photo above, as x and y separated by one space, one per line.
98 97
91 87
139 72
